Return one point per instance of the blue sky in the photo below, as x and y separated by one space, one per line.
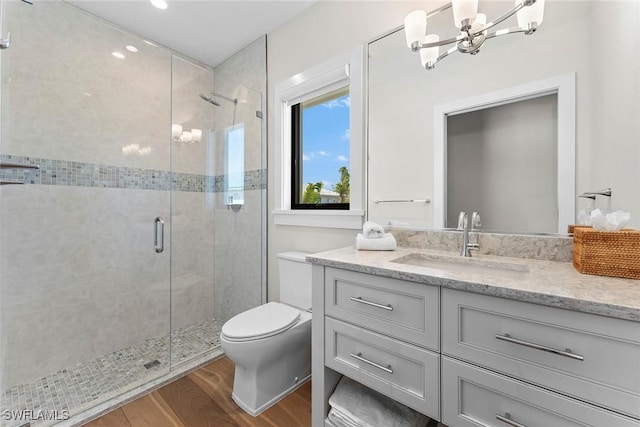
325 141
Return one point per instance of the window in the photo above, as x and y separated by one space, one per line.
320 152
234 149
319 147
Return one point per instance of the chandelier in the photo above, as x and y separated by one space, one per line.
473 28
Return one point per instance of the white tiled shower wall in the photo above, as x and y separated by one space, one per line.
79 277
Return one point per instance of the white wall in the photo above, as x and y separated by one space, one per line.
322 32
615 100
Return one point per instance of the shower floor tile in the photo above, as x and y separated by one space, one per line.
72 390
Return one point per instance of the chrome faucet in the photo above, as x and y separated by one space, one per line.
464 227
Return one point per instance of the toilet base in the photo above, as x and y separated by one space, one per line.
270 403
266 369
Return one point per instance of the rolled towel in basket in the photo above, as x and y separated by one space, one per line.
385 243
371 230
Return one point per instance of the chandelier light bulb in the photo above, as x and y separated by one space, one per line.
530 14
428 56
415 26
463 10
196 134
186 137
480 23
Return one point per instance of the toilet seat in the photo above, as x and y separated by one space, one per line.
260 322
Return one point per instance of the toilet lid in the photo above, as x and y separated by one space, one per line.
260 322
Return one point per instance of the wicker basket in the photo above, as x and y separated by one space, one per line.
571 227
607 253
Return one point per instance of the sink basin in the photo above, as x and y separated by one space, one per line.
484 267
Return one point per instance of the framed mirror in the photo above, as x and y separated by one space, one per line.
593 41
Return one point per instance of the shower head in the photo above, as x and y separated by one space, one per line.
210 100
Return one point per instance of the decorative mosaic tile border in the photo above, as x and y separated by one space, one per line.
71 390
78 174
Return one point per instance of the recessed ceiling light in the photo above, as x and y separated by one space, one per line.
160 4
131 48
118 55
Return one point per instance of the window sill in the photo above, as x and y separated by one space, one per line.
323 219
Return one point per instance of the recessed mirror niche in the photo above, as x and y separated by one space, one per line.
501 161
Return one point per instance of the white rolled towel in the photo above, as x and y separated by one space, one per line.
385 243
371 230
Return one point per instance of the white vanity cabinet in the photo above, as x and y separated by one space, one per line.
381 332
469 359
571 364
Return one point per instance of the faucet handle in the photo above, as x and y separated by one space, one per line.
475 221
462 221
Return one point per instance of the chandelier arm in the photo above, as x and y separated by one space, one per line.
442 56
438 10
443 42
506 31
498 20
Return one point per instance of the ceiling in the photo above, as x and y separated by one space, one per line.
209 31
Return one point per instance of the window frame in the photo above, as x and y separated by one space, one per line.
342 71
228 131
296 166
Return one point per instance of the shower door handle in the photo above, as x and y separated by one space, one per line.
159 247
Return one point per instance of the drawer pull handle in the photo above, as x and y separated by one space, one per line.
373 304
507 419
567 353
387 368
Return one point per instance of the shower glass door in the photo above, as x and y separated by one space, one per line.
84 260
194 331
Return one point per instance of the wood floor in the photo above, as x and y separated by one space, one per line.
202 399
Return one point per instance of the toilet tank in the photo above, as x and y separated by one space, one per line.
295 279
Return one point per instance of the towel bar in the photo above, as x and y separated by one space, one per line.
10 165
403 201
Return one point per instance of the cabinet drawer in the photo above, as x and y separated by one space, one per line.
475 397
590 357
406 373
405 310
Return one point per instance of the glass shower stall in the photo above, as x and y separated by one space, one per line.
132 209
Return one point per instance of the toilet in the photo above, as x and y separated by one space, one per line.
271 344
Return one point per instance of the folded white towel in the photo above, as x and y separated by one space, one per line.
371 230
359 406
338 419
331 421
385 243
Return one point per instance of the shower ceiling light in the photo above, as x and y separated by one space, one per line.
473 28
160 4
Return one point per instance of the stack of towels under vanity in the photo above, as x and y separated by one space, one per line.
374 238
354 405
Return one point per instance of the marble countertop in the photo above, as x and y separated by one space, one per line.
551 283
